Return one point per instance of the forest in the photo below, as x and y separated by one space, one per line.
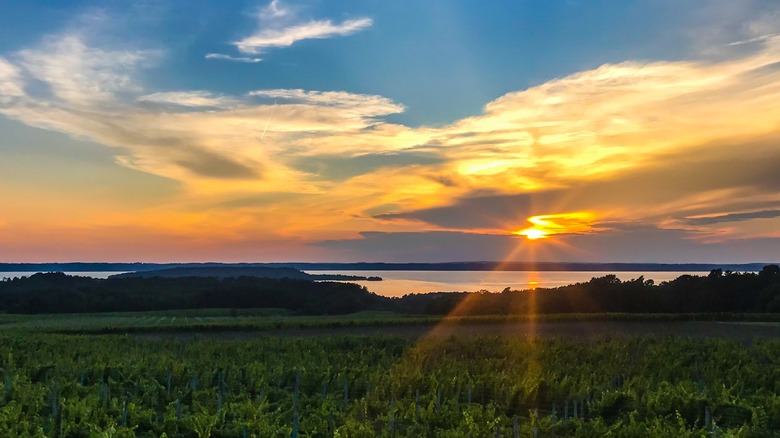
743 292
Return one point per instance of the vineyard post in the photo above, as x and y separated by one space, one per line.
346 391
515 427
574 408
566 410
125 411
54 401
392 417
295 405
535 421
104 395
221 390
417 403
498 432
438 399
8 385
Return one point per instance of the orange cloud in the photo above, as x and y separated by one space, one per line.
589 126
561 223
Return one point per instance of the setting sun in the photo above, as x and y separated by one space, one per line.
533 233
550 224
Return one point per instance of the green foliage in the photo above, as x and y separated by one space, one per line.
112 386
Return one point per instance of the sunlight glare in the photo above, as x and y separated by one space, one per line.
547 225
534 233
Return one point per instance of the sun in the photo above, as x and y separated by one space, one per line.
548 225
533 233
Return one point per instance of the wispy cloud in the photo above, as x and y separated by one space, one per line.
754 39
243 59
288 36
733 217
10 82
279 27
189 99
76 72
367 105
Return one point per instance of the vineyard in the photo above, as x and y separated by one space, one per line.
121 386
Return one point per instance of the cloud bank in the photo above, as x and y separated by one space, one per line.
688 148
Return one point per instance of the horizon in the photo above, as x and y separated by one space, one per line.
500 265
519 132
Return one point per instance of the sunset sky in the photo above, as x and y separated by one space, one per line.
374 130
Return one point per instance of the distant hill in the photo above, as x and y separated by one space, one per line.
219 272
238 271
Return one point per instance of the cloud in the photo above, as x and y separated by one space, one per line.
10 82
625 243
193 99
365 104
733 217
432 246
760 38
339 168
223 57
655 143
78 73
212 165
497 212
707 180
274 10
288 36
278 27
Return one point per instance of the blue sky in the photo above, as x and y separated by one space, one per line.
443 59
315 130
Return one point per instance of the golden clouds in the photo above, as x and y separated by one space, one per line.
562 223
589 126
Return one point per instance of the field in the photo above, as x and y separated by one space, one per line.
590 375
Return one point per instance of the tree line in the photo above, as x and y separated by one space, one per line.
60 293
720 291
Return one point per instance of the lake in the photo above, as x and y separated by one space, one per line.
399 283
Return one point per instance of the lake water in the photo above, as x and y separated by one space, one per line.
399 283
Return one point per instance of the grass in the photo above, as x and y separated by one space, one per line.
195 320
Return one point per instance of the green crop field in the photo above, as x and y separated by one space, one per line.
56 385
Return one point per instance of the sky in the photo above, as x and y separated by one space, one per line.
395 131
